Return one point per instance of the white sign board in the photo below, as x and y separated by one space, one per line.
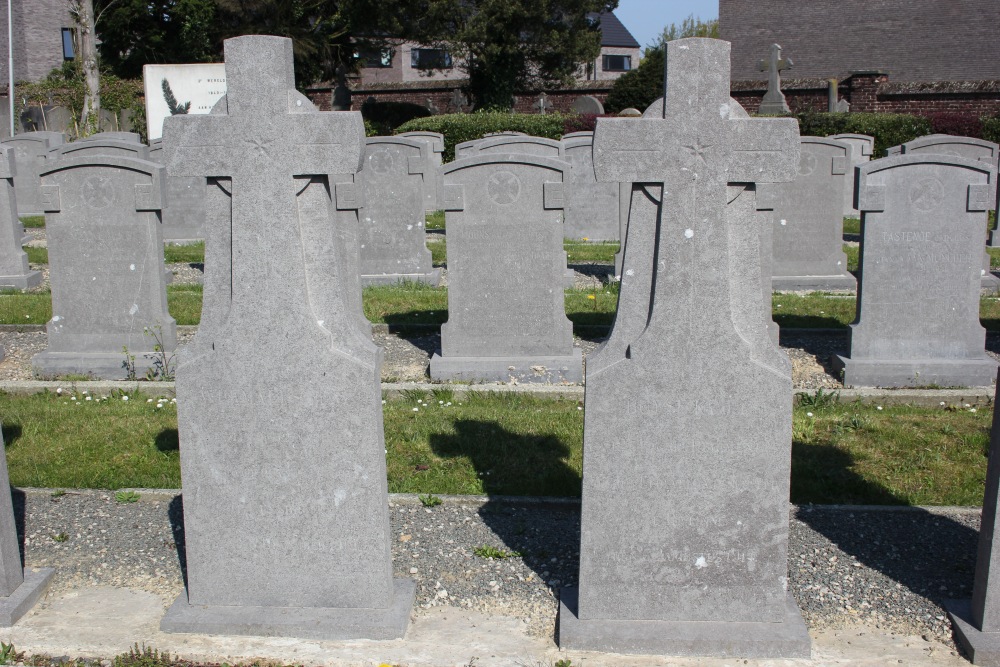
197 86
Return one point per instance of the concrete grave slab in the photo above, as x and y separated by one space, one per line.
284 313
918 298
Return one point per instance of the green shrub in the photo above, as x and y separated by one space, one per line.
387 116
991 129
458 128
640 87
889 129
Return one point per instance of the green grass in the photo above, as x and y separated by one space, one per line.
439 251
183 302
814 310
994 257
36 221
581 251
435 220
852 226
852 252
514 444
191 253
406 303
590 307
37 255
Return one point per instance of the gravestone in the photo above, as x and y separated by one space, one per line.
520 144
976 622
184 216
862 147
20 588
506 266
684 523
102 226
809 221
918 298
588 104
543 104
592 208
282 312
434 181
30 152
393 242
129 137
14 270
574 135
458 101
466 149
774 101
97 145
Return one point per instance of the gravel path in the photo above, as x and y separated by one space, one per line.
891 569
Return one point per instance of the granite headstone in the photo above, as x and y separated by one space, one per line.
520 144
184 214
588 104
862 147
284 315
98 145
774 101
14 269
30 152
592 208
918 300
434 181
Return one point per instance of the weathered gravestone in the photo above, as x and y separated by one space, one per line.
20 588
574 135
283 313
520 144
98 145
542 103
30 152
809 221
588 104
774 100
506 267
393 242
862 147
918 301
592 208
14 269
685 496
184 215
434 181
102 225
976 622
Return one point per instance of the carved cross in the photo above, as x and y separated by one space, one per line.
774 99
543 104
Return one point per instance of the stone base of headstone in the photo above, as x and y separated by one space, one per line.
990 281
24 597
983 648
909 373
98 365
432 278
788 639
337 624
813 283
548 370
994 239
28 280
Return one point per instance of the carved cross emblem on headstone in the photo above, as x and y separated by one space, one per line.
543 104
774 100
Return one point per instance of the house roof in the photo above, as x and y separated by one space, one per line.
613 31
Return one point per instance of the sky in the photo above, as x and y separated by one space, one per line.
646 19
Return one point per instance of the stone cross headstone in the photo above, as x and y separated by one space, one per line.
588 104
684 522
184 215
918 299
284 315
109 298
434 181
20 588
340 99
862 147
393 242
506 266
592 208
432 107
30 152
458 101
14 270
520 144
976 622
542 103
809 222
774 100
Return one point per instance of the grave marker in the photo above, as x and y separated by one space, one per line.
862 147
434 182
184 215
592 208
14 269
543 104
774 101
506 268
588 104
918 298
671 562
283 314
30 152
102 228
521 144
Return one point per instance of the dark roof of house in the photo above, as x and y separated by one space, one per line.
613 32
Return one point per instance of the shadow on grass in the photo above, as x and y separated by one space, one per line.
167 440
175 513
932 555
530 465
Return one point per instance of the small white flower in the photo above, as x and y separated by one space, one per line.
967 405
124 398
942 404
972 409
72 398
416 409
809 414
383 401
878 407
85 392
440 402
59 390
149 400
89 398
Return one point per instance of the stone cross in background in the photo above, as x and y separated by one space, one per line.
543 104
692 559
286 318
774 100
458 101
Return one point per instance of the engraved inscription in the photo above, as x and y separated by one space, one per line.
98 192
926 194
503 188
906 237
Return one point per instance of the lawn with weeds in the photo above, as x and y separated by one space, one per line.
183 302
513 444
592 306
189 253
37 255
434 220
35 221
853 253
584 251
994 257
852 225
439 251
813 310
406 303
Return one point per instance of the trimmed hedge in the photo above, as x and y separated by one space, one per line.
991 129
460 127
889 129
387 116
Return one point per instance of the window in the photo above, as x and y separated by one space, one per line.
67 42
376 57
430 59
617 63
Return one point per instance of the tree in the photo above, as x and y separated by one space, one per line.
640 87
504 46
90 115
689 27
